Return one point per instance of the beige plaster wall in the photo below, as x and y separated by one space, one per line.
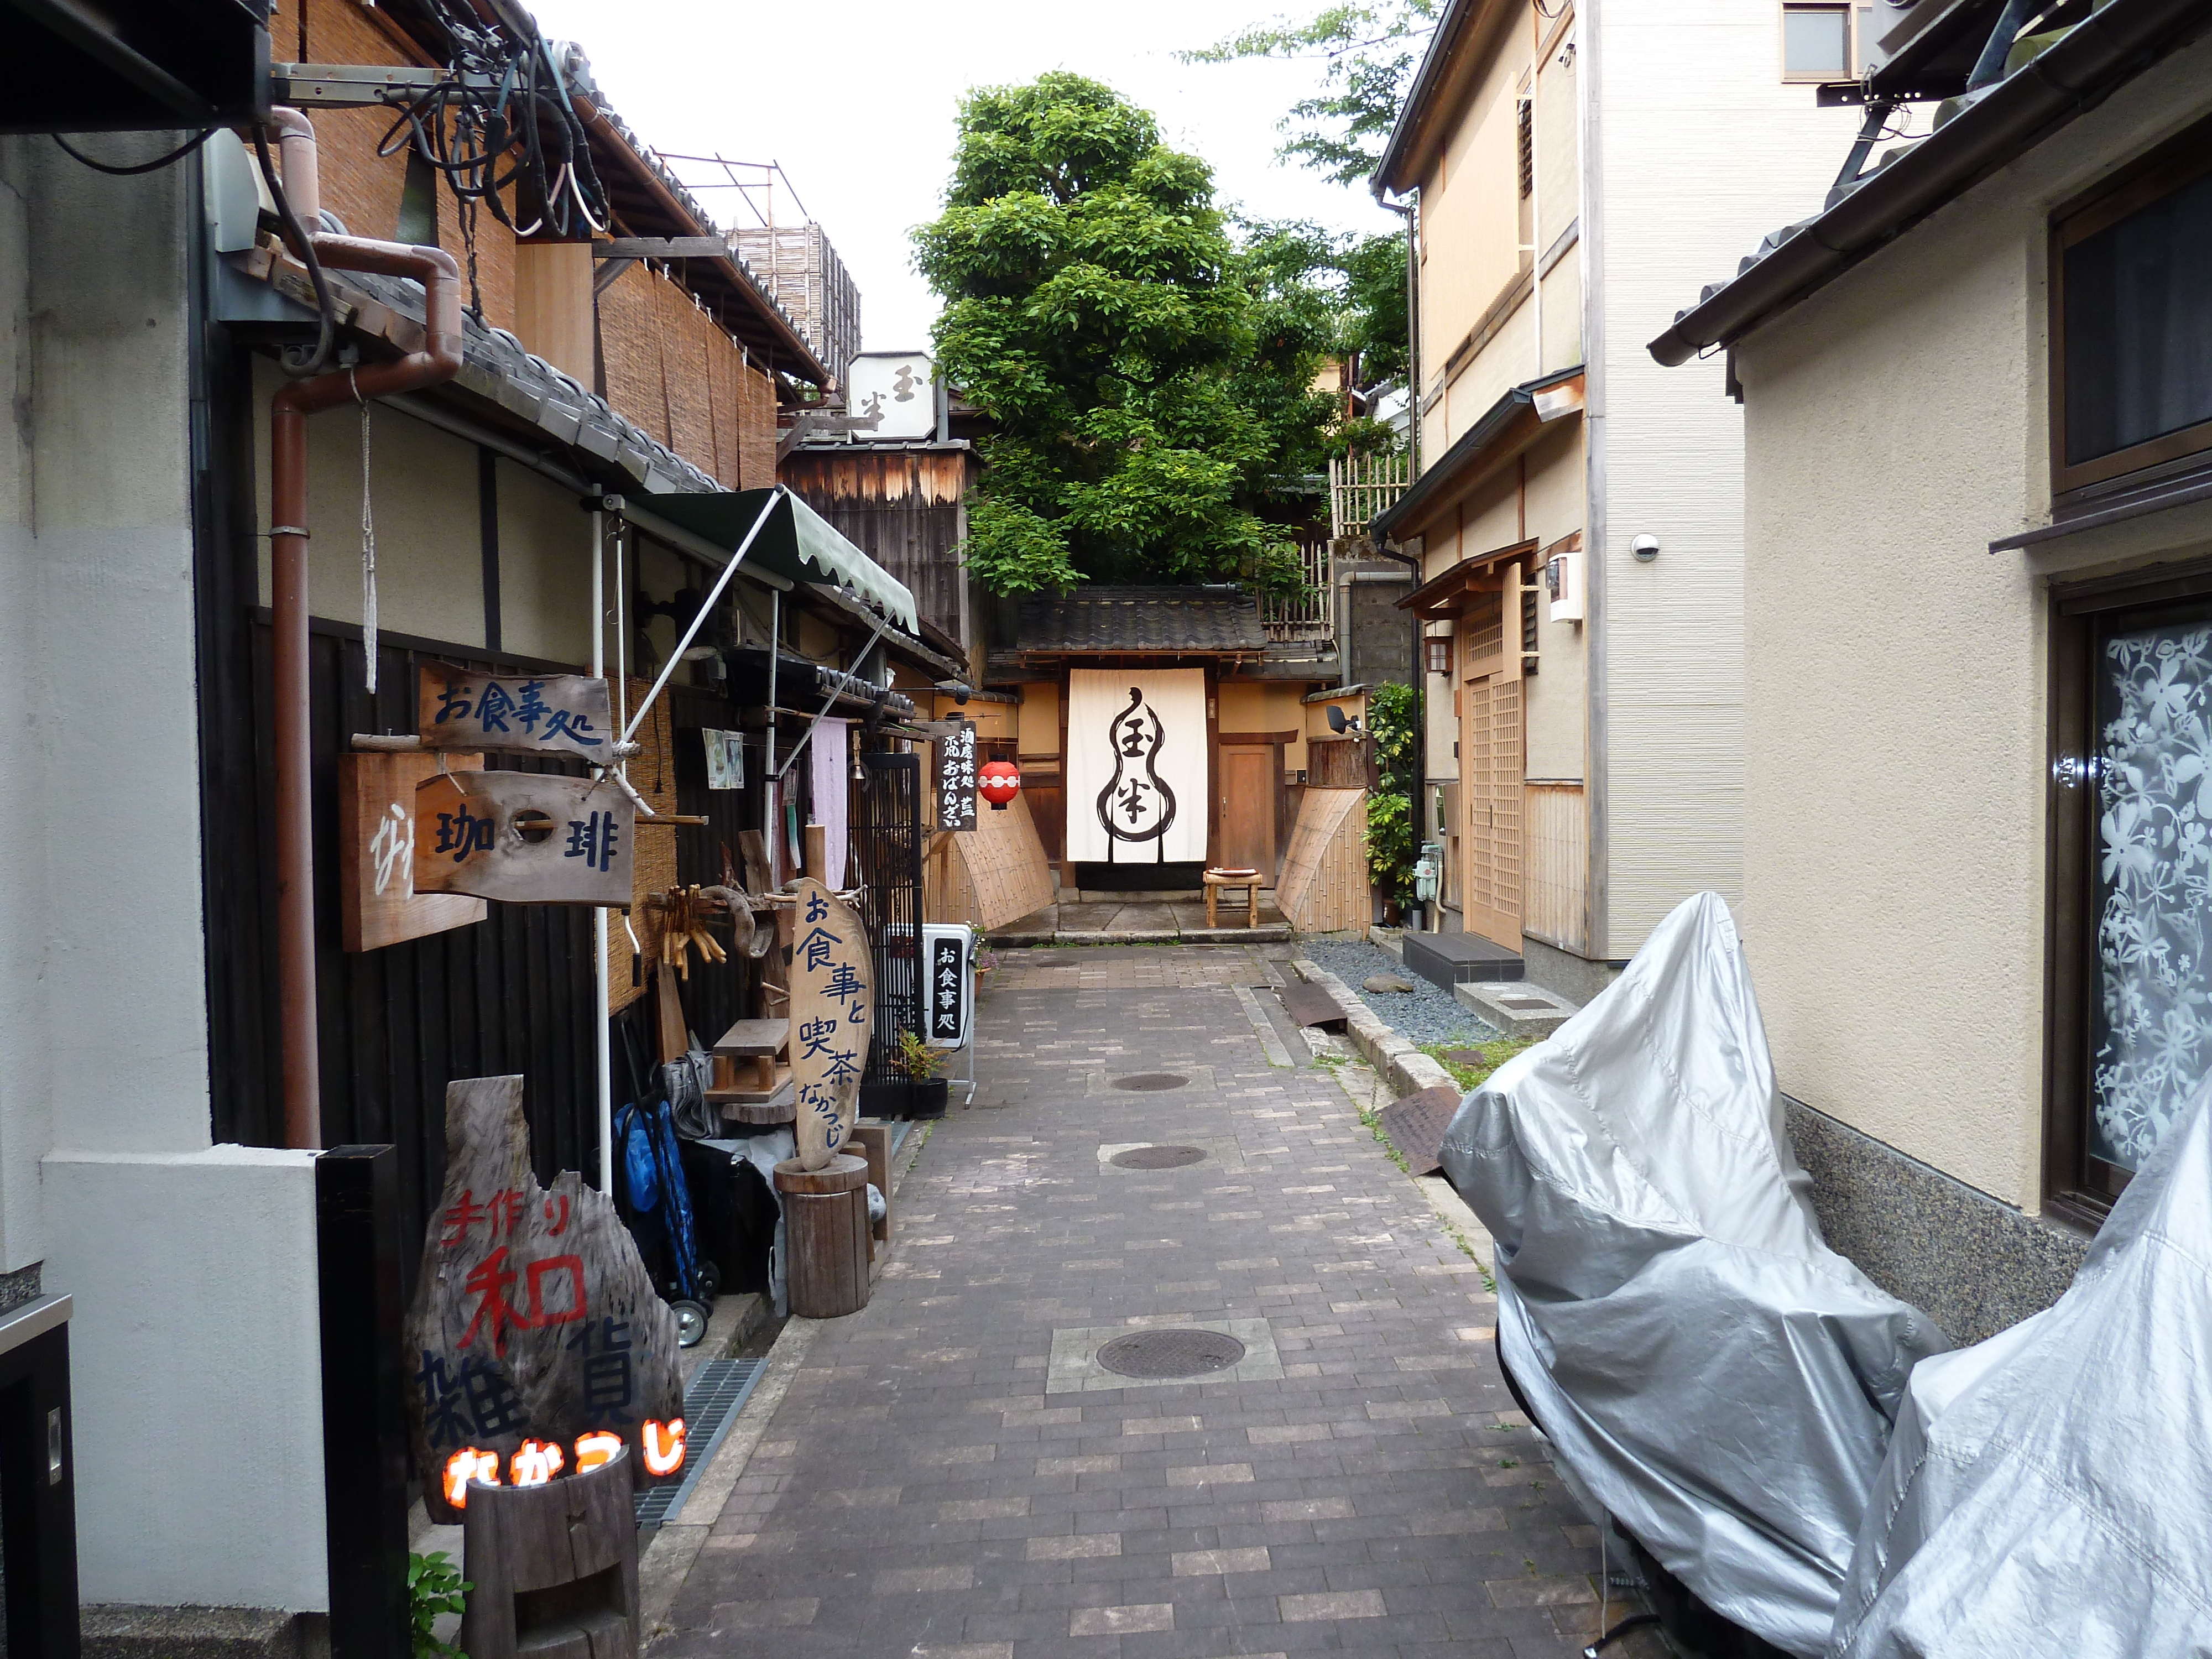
545 569
1895 670
1040 718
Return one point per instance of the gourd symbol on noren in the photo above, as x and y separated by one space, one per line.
1131 807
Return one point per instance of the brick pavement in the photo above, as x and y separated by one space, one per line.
953 1475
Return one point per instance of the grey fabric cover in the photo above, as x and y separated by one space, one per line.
1720 1379
2049 1491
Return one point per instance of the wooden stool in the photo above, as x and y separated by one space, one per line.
554 1567
1215 880
752 1083
825 1227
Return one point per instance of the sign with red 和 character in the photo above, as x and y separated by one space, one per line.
536 1345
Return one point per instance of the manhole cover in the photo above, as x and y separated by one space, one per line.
1151 1080
1152 1354
1158 1157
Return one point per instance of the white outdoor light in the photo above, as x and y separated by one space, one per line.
1646 548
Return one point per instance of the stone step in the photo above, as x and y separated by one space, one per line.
1449 959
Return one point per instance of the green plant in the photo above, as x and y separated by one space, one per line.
1392 843
435 1586
917 1059
1495 1053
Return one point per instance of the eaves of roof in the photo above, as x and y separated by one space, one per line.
1469 455
1456 34
2104 50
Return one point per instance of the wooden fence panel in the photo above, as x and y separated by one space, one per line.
1324 887
1558 865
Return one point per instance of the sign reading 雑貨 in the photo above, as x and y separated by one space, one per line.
525 838
833 1002
536 1345
956 778
524 714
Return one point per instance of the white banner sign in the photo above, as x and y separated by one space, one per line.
1136 766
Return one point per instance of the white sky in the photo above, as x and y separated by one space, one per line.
857 101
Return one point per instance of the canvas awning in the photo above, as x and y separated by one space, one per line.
796 543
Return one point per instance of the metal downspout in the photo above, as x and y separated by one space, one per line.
438 360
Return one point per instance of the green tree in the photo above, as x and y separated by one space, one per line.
1149 380
1392 842
1369 52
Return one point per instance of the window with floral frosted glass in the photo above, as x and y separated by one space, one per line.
2151 1036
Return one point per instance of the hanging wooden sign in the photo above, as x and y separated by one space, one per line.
536 1345
521 714
377 904
956 778
525 838
833 1014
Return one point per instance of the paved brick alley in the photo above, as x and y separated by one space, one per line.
953 1473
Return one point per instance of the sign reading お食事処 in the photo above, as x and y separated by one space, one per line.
536 1345
956 778
524 715
833 1002
525 838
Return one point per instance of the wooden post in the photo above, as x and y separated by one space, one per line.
817 836
555 1564
825 1220
873 1142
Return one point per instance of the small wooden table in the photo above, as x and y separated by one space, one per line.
1215 880
752 1083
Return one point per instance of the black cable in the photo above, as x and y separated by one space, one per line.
153 165
304 246
1638 1622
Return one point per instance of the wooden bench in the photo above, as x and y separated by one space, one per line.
1215 880
753 1081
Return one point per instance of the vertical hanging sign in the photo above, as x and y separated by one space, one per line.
956 778
833 1000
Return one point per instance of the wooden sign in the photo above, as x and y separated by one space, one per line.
525 838
377 904
833 1013
956 778
536 1345
522 714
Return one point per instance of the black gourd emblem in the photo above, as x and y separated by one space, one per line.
1136 805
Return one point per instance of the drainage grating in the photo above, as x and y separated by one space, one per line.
1144 1080
718 1393
1152 1354
1158 1157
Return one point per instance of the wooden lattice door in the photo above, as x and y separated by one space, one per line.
1491 779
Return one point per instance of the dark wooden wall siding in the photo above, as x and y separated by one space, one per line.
914 542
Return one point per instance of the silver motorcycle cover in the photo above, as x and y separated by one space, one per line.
1721 1380
2049 1491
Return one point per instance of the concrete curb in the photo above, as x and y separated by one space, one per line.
1400 1064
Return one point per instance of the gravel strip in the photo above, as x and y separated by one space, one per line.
1430 1015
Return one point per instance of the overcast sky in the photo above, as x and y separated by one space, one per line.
857 101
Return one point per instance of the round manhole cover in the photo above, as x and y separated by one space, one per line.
1158 1157
1151 1080
1154 1354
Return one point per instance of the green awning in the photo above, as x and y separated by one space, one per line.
796 542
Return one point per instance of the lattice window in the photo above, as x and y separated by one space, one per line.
1486 628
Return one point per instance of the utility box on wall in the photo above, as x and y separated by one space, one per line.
1564 579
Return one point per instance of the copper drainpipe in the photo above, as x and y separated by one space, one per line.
439 359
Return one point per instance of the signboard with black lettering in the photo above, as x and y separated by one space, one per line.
956 778
515 714
948 987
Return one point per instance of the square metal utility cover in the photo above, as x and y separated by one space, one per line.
1074 1367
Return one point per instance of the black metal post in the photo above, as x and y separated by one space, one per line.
38 1482
365 1487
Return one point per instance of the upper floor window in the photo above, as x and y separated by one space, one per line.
2131 322
1816 43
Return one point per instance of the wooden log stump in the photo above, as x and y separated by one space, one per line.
825 1216
873 1142
554 1567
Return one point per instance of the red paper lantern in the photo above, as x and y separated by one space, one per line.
998 782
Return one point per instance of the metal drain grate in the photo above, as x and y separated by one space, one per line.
1158 1157
1145 1080
718 1393
1154 1354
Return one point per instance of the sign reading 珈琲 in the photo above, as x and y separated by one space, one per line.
525 838
523 715
956 778
833 1002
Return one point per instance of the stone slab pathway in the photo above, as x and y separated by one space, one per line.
953 1474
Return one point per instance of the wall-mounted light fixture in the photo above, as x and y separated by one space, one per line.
1646 549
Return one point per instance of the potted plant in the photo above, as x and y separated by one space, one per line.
925 1090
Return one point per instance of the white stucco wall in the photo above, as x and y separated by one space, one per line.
1894 897
1703 150
196 1374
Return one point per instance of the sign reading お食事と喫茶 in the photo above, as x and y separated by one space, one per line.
526 715
525 838
536 1345
833 1000
956 778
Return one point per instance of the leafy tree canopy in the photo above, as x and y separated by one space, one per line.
1370 51
1150 379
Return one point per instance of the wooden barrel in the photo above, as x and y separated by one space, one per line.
825 1220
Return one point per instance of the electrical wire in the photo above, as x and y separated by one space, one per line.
153 165
302 244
